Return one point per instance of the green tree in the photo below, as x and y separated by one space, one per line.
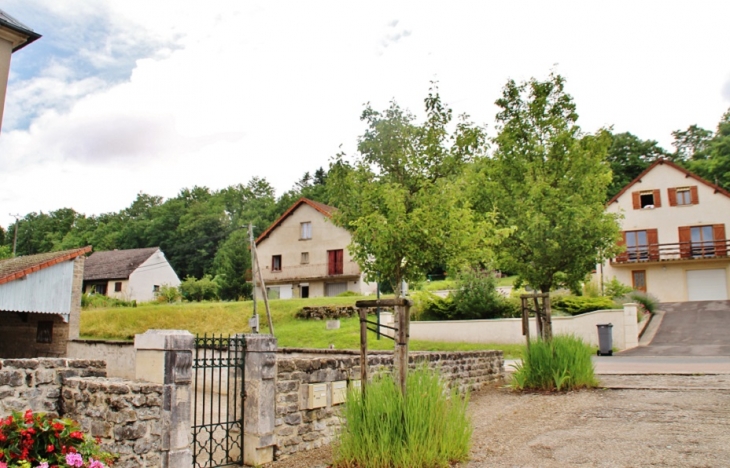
628 156
548 180
708 153
232 265
403 199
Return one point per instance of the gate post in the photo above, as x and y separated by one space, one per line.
166 357
259 405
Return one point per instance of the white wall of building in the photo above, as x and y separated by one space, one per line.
155 271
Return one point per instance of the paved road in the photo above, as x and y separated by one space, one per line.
690 329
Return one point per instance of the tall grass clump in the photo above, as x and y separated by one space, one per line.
564 363
429 428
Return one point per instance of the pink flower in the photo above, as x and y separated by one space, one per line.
74 459
43 465
95 463
3 465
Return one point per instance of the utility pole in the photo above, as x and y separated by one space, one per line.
254 322
15 237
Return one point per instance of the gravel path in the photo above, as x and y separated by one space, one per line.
678 421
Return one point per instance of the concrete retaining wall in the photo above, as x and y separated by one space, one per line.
625 329
118 355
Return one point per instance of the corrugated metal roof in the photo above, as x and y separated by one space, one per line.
18 267
115 264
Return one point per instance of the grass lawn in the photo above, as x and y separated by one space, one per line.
122 323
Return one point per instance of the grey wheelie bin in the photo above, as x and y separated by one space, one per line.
605 339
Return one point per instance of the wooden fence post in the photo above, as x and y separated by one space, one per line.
363 350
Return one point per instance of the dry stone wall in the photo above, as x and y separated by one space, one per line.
299 427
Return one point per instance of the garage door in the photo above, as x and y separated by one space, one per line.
706 285
333 289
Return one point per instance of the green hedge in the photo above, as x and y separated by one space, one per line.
575 305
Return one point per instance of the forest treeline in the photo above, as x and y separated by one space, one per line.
204 232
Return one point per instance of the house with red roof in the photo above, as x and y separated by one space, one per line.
303 254
674 227
40 303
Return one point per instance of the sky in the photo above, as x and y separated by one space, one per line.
126 96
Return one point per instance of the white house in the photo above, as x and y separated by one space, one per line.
302 254
674 227
14 35
40 303
131 275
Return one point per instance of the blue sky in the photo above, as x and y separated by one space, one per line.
119 97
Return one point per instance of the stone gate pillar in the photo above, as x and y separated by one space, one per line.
259 409
166 357
631 326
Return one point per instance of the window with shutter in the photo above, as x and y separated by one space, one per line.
335 262
646 199
718 233
276 263
637 246
685 240
683 196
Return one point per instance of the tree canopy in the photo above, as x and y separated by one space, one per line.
548 180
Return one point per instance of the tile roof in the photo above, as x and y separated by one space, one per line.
321 207
687 173
9 22
16 268
115 264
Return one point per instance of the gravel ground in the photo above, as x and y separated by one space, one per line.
678 421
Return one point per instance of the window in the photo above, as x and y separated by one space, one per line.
276 263
646 199
304 292
683 196
637 245
305 257
702 244
306 231
638 280
156 288
44 333
99 288
118 286
335 261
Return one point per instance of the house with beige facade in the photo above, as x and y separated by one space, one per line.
14 35
130 275
303 254
40 303
674 227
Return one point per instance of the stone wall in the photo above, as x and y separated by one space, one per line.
298 428
37 383
128 417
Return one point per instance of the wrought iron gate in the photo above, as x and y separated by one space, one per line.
218 368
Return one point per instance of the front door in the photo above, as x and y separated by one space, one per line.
638 280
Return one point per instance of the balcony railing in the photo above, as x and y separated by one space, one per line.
676 251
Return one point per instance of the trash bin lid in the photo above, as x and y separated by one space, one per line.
602 325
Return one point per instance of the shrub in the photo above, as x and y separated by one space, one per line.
430 428
203 289
648 302
348 294
168 294
575 305
591 289
100 301
564 363
40 440
616 288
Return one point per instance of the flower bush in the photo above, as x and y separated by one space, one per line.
29 440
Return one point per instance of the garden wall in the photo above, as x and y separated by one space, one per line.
299 428
625 328
120 356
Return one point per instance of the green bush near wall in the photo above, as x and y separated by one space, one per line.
563 363
575 305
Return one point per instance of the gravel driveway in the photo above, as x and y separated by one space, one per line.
649 421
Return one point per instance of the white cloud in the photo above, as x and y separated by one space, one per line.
214 93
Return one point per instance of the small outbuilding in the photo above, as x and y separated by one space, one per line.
40 303
130 275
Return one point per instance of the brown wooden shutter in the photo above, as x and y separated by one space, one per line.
636 196
623 256
339 262
657 198
685 241
672 196
718 234
652 237
332 261
695 195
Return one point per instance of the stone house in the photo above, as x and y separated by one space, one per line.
14 35
131 275
302 254
40 303
674 228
